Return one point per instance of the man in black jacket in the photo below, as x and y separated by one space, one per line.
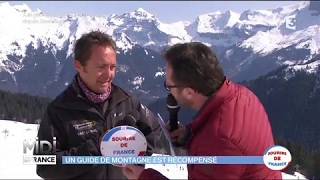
88 108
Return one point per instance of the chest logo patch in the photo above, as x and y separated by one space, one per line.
85 127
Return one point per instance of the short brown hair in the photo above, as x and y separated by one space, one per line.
195 65
82 51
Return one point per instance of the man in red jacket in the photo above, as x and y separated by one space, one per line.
231 121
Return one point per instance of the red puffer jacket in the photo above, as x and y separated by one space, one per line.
232 123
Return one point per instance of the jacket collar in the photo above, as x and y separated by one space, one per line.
73 98
223 94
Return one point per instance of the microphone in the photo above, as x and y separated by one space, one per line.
173 108
129 120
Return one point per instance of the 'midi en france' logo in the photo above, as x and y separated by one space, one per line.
43 147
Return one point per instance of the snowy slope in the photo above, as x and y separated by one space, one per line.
310 67
11 155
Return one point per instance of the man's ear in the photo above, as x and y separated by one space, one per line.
77 65
189 93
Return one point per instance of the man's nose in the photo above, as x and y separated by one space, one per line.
108 72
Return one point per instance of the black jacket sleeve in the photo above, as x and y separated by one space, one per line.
50 127
149 126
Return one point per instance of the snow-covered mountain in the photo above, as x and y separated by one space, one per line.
36 48
291 97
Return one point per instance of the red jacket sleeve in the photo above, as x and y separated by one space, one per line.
220 147
152 174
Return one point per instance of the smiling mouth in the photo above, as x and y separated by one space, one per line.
104 82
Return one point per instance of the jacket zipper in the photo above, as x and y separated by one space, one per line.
93 106
110 111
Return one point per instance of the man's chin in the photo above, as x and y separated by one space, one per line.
104 89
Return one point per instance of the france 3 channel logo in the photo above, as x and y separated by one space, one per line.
291 22
40 147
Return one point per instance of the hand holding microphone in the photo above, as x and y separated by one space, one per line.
176 129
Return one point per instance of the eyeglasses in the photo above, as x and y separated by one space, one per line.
169 87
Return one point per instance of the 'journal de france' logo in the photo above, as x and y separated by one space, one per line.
277 158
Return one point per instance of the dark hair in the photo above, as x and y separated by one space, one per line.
195 65
83 46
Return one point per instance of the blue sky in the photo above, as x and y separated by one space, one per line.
165 11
